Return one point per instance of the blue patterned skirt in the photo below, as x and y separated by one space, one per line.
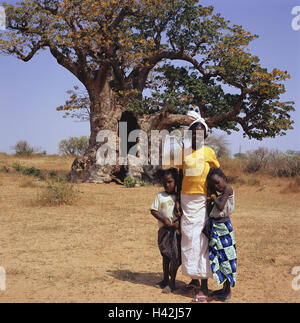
222 250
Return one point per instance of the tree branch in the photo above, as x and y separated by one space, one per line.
29 56
228 116
65 62
161 121
53 11
151 61
120 17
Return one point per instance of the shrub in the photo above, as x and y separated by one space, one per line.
28 170
132 182
284 164
129 181
58 193
256 160
273 162
74 145
22 148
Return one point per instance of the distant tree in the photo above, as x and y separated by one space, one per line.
23 148
219 144
293 152
74 146
240 155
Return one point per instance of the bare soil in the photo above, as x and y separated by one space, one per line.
103 246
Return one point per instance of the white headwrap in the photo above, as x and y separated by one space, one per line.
193 117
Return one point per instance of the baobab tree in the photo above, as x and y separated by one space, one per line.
119 48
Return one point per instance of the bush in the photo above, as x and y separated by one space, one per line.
284 164
22 148
129 181
132 182
28 170
74 145
273 162
256 160
58 193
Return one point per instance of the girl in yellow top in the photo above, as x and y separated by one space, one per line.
194 244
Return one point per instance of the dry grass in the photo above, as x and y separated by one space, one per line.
102 247
292 186
57 193
26 182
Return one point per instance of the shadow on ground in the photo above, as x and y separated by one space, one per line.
149 279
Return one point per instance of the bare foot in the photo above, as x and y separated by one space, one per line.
194 283
162 284
201 296
167 290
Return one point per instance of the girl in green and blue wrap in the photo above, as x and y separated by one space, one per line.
219 231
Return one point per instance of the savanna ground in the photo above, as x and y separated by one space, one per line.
103 246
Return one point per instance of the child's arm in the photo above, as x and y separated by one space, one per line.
167 223
177 208
220 203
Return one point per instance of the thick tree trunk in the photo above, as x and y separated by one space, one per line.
106 115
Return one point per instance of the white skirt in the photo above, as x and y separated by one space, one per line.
194 244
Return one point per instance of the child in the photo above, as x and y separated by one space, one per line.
218 229
168 235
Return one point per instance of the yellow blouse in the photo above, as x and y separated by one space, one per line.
196 166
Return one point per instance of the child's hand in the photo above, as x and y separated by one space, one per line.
176 225
168 223
214 198
177 209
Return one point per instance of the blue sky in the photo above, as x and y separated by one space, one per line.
30 92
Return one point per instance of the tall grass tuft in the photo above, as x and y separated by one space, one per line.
57 193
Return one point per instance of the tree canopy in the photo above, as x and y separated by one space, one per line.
134 44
